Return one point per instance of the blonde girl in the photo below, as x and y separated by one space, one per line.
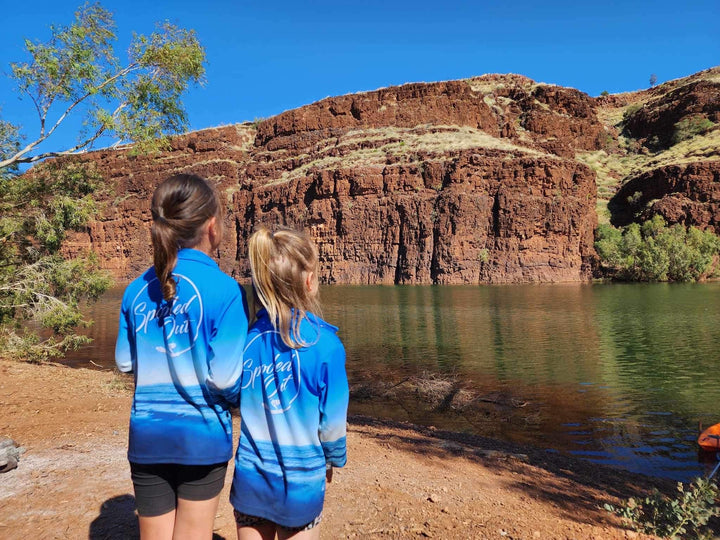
182 330
293 395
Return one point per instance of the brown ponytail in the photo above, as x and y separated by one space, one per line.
181 205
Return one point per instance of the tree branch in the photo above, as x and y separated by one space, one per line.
18 157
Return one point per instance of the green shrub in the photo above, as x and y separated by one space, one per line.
655 252
689 127
631 110
685 516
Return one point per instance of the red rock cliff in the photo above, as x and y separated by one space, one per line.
455 182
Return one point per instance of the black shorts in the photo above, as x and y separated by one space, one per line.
158 486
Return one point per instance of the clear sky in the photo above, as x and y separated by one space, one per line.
267 57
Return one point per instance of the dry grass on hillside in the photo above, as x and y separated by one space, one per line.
613 169
373 147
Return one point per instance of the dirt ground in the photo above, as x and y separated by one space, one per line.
401 481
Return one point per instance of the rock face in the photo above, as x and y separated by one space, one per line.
455 182
465 218
121 237
657 119
471 181
687 194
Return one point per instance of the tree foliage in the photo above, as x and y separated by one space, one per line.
76 72
655 252
38 287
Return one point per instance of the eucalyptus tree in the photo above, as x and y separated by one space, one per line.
76 74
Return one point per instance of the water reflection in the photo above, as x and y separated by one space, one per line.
615 373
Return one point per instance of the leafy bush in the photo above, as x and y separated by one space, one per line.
38 288
689 127
655 252
685 516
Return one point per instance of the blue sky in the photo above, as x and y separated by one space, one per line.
267 57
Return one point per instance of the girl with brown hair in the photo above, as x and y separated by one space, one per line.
182 330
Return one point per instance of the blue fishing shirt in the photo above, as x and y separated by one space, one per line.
187 360
293 406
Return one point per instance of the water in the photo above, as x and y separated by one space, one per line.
618 374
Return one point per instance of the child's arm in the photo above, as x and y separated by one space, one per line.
125 338
334 396
226 348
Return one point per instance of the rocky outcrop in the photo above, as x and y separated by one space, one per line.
655 121
121 237
465 218
688 194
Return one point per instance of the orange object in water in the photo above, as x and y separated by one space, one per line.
709 440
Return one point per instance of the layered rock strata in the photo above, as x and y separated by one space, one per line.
471 181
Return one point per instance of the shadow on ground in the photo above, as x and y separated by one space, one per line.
574 483
117 521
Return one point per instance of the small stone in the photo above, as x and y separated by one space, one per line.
10 464
9 454
6 442
433 498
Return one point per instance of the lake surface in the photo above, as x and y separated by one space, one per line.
618 374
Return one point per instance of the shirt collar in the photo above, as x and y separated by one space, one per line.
189 254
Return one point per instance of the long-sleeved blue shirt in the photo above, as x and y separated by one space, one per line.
293 406
187 360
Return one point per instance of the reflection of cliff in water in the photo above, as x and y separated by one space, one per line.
617 373
501 344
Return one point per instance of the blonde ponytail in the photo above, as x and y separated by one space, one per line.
280 263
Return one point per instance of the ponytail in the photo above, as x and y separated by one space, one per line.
181 205
280 263
165 250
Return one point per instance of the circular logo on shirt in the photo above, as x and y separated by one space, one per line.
173 327
279 378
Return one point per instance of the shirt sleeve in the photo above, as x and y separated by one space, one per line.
125 344
334 397
226 349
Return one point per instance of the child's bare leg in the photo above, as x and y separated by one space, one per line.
195 519
157 527
312 534
265 531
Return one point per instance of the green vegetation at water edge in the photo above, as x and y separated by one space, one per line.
685 516
36 283
655 252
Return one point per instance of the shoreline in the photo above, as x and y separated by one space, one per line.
402 480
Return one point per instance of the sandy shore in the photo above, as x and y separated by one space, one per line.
401 481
